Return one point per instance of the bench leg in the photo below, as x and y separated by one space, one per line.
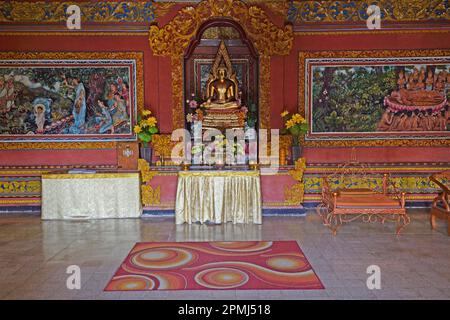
433 221
448 225
402 221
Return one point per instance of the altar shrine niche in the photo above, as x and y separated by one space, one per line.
221 93
221 87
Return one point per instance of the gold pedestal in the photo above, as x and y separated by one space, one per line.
223 119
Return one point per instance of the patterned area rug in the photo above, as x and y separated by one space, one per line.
238 265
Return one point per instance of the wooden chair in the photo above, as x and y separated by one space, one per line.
440 207
348 203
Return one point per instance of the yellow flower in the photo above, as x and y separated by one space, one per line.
284 113
298 118
146 112
137 129
290 123
151 122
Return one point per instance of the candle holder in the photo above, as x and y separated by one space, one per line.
253 166
185 166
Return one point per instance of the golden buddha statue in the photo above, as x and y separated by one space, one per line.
222 107
221 92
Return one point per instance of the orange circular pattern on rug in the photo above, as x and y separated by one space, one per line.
287 263
131 283
162 258
221 278
242 246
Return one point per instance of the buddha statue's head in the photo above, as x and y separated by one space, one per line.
222 73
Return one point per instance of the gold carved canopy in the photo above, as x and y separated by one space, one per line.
222 56
173 39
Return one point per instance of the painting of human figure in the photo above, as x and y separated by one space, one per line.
67 99
363 97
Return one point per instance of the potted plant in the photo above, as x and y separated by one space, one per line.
145 129
296 126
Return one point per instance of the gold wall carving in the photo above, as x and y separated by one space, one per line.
7 187
163 145
137 56
279 7
173 39
294 195
286 142
264 92
149 195
326 11
92 11
385 142
408 184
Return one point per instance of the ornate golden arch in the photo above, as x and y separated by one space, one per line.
268 39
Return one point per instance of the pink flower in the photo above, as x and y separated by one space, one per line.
193 104
244 109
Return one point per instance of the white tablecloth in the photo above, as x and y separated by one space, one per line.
91 196
218 197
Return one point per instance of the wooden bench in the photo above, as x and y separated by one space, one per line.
440 207
347 204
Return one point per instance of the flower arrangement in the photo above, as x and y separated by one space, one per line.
220 145
197 111
295 124
146 127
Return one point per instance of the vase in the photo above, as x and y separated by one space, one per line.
197 159
296 153
146 154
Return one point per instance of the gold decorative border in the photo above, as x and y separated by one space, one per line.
294 195
137 56
218 173
92 11
366 32
149 195
75 176
72 33
173 39
342 142
23 187
21 201
313 198
304 12
386 169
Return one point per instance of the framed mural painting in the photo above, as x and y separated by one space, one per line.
376 98
69 96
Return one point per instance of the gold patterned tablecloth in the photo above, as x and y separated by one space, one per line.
91 196
218 197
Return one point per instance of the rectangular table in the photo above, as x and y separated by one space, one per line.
218 196
91 195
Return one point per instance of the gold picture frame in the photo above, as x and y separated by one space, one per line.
306 60
58 56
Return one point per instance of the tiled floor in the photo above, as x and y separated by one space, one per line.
34 256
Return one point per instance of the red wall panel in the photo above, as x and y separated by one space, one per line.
58 157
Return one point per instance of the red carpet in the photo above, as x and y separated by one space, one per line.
215 265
